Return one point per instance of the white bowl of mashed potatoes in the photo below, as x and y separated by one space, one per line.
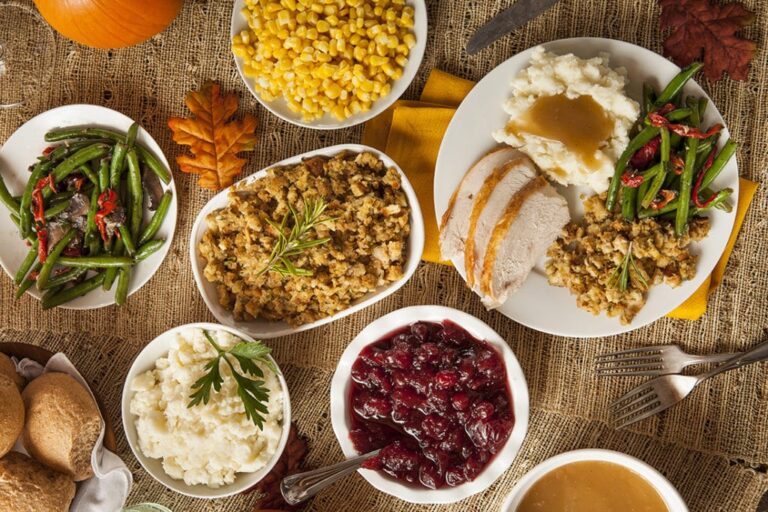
210 450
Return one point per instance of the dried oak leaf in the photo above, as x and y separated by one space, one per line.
213 139
703 30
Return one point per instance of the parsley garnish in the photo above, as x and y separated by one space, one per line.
252 392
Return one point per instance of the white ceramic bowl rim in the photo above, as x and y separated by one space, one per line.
144 361
279 108
264 329
666 490
517 385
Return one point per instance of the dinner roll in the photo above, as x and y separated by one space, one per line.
63 424
11 415
28 486
8 369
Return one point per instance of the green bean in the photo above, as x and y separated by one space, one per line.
88 173
648 99
658 180
83 133
51 300
66 195
91 230
117 164
55 209
675 86
111 274
123 279
686 181
80 157
136 193
628 202
157 219
722 158
7 199
720 200
25 213
27 283
26 264
125 234
154 164
702 106
50 260
104 174
96 261
149 248
65 278
130 137
641 139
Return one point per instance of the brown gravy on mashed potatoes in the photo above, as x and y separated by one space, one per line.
579 123
592 486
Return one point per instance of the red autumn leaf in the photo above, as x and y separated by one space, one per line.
706 32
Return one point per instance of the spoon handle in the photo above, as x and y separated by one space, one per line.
301 486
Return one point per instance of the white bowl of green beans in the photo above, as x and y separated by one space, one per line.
90 207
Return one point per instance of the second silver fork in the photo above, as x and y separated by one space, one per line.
651 361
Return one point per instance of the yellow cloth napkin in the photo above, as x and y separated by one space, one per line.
411 132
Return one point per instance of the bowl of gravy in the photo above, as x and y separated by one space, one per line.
594 481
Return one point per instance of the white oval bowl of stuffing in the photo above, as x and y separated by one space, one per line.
306 241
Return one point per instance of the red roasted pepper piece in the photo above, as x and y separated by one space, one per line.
631 180
107 203
643 157
663 199
678 164
683 130
697 186
37 197
42 245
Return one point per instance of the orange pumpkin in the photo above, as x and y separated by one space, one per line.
109 23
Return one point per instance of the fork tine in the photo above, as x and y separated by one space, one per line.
619 409
639 364
618 360
647 414
641 389
611 372
639 409
641 350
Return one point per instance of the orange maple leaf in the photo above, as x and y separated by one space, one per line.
213 141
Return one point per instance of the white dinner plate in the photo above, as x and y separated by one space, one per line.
279 106
262 329
518 388
538 305
22 149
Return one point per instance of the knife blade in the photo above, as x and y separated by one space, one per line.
514 16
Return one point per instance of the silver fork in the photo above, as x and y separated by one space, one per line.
663 392
656 360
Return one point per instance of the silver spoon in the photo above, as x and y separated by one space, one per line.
301 486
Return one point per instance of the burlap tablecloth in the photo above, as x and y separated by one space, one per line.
713 447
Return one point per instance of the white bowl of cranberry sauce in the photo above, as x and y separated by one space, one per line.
443 396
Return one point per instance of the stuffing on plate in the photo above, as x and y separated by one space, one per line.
366 221
589 257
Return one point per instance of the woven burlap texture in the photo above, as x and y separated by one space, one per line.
713 447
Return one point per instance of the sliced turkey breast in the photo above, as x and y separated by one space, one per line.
454 225
532 220
489 205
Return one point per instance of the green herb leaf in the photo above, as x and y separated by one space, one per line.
212 379
621 276
296 241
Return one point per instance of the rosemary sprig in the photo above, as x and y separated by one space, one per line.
627 269
296 241
252 392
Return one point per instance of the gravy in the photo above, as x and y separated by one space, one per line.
592 486
580 124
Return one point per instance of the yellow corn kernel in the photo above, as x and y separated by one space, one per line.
410 40
401 60
312 33
323 26
317 7
359 53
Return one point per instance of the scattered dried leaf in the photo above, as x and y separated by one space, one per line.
213 139
289 463
706 32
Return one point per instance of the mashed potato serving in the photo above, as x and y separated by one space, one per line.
209 443
571 116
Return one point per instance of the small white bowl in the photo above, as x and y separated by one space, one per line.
20 151
340 389
279 106
145 361
263 329
668 493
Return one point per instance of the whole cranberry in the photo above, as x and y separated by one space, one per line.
454 441
439 400
407 397
372 355
446 379
427 353
449 357
452 334
422 330
429 476
400 414
460 401
488 363
483 410
467 369
477 383
419 381
360 371
398 458
399 357
378 378
472 468
455 476
435 426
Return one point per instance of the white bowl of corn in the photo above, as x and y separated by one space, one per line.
328 64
